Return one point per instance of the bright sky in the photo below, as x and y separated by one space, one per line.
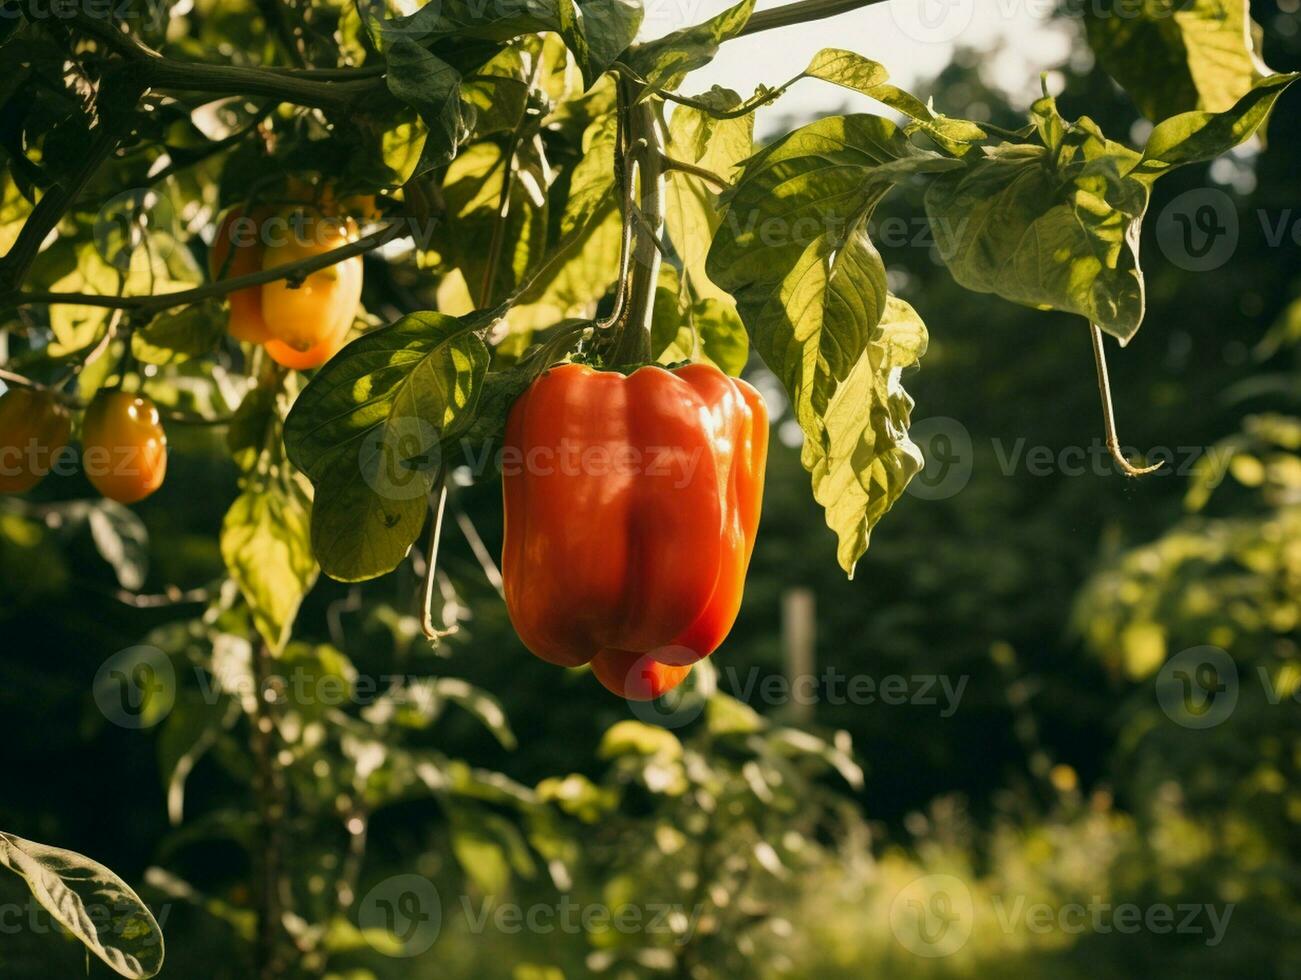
914 39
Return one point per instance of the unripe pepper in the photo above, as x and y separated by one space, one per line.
631 507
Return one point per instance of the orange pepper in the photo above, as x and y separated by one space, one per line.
124 447
34 429
631 507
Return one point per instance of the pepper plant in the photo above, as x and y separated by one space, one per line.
542 184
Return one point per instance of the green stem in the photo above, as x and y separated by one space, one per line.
634 345
801 13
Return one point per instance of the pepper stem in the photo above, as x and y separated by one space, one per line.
1109 413
634 345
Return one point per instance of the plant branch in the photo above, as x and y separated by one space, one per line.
303 87
166 301
1109 413
633 346
800 13
51 208
690 168
269 790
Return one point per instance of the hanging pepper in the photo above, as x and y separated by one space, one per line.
631 506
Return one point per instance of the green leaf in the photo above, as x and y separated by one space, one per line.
868 458
811 288
1053 227
488 847
248 434
472 190
266 544
179 335
1175 56
665 62
433 88
853 71
693 213
581 265
704 330
402 146
638 738
91 902
597 32
1196 136
191 729
121 539
368 432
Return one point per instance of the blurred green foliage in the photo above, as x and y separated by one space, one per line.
1055 599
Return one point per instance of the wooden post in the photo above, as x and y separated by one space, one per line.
799 640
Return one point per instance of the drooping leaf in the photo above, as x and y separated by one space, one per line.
809 284
1053 227
868 458
369 430
665 62
91 902
432 88
1175 56
1056 224
266 544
